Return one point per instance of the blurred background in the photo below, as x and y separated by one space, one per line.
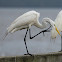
13 45
31 3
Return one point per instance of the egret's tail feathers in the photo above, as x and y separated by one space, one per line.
6 33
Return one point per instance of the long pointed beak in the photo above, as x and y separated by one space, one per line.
57 30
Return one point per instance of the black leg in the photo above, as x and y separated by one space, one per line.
46 30
26 44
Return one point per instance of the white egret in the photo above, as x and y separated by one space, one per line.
28 19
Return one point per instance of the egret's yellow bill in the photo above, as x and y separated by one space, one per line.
57 30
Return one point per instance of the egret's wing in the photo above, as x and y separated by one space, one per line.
58 23
20 17
23 20
24 15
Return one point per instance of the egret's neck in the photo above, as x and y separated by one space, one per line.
44 23
39 25
47 20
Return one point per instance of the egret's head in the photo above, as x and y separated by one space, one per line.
48 20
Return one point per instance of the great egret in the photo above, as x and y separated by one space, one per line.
26 20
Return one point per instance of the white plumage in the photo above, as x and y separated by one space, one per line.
24 21
58 23
27 20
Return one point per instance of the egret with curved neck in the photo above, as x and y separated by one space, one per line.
25 21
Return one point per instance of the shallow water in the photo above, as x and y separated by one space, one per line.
14 44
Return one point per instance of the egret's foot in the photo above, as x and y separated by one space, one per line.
28 54
43 34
